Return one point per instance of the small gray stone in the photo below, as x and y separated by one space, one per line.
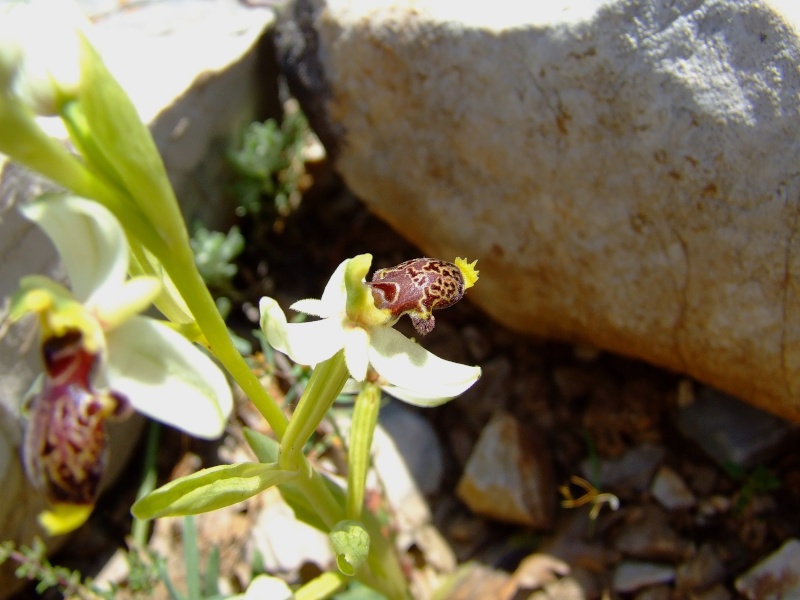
633 470
509 475
717 592
702 570
631 576
730 431
647 534
777 577
671 491
418 444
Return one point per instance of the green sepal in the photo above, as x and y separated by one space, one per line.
351 543
121 145
210 489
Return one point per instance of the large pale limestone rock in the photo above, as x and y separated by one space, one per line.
195 73
626 171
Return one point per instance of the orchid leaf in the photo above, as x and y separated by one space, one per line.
210 489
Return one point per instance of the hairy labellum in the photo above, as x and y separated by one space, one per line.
418 287
65 446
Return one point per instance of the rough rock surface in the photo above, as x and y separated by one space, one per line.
626 171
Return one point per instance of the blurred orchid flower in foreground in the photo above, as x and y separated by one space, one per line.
101 358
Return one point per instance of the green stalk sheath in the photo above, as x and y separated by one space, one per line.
325 385
365 417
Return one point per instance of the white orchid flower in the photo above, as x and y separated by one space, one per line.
157 370
100 359
358 317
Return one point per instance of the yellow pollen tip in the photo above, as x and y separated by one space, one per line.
468 271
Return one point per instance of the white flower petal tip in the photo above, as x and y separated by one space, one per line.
168 378
416 375
305 343
89 239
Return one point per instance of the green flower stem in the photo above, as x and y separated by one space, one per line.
325 385
323 586
181 268
22 139
365 417
140 527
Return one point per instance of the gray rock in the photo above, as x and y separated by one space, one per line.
730 431
776 577
702 571
625 171
509 475
647 534
418 444
633 470
671 492
631 576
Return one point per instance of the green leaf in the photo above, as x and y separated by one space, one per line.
351 544
210 489
264 447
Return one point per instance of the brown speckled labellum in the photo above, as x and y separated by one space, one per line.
418 287
65 446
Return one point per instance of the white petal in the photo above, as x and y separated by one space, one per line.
89 239
305 343
312 306
120 304
414 374
334 297
356 352
167 378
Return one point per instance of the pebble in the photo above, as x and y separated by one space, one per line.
669 489
417 443
647 534
777 577
703 570
717 592
633 470
509 475
658 592
631 576
729 431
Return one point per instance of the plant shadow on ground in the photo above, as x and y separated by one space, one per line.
582 403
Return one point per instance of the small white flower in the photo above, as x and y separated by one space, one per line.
350 320
160 372
40 52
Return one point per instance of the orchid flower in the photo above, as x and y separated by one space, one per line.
100 356
357 316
